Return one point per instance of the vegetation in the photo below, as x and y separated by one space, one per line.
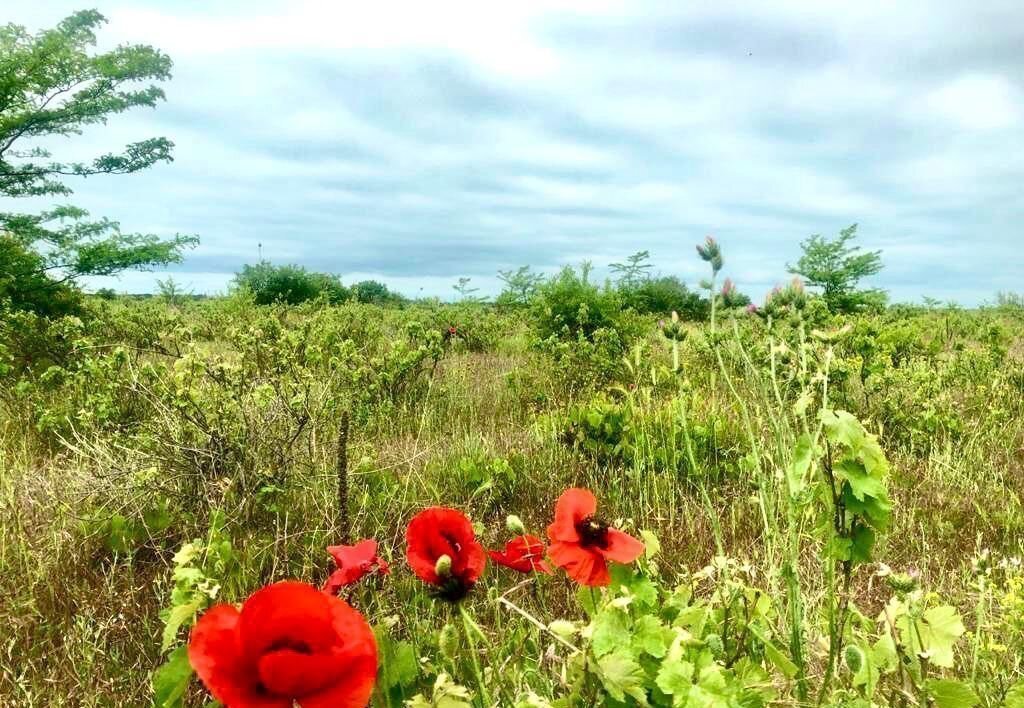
827 504
51 85
837 266
621 494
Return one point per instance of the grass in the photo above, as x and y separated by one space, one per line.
482 430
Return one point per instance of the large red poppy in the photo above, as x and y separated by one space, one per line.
290 643
354 562
439 531
582 544
523 553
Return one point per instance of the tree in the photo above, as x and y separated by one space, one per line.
520 286
52 85
836 266
466 293
634 271
290 284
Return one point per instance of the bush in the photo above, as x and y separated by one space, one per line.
375 293
569 305
288 284
664 295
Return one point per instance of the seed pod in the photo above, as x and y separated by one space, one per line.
854 658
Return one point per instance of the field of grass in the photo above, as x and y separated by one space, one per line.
795 555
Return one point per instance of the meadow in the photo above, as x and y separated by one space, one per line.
829 505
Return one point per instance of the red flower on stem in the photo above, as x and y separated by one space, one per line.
442 550
523 553
289 644
354 563
582 544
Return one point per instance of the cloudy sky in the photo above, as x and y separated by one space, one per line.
419 142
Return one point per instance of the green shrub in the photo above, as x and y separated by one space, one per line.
568 305
664 295
288 284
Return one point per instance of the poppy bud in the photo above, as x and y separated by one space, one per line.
443 566
514 524
854 658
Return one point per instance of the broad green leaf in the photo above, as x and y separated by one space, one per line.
675 678
651 636
171 679
611 632
179 615
622 676
952 694
939 629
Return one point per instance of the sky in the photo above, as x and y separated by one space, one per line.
417 143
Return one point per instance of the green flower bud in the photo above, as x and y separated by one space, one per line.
714 643
443 566
854 658
515 525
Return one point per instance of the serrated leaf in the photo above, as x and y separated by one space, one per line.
611 632
651 637
178 615
675 678
622 676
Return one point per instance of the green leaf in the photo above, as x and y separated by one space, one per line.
775 655
622 676
939 629
948 693
651 636
171 679
611 631
675 678
796 473
179 615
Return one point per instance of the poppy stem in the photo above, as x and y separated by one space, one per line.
341 465
472 629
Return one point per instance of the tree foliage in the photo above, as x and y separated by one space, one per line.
289 284
52 84
837 266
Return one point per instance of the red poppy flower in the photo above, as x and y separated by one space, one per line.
523 553
581 543
354 562
289 644
437 532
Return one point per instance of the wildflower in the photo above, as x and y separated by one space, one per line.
751 309
582 544
354 563
290 644
443 551
711 253
524 553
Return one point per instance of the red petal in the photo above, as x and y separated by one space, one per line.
215 652
354 687
335 582
469 564
363 553
585 566
286 614
572 507
523 553
286 672
621 547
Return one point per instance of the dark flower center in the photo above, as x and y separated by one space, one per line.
593 532
296 645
